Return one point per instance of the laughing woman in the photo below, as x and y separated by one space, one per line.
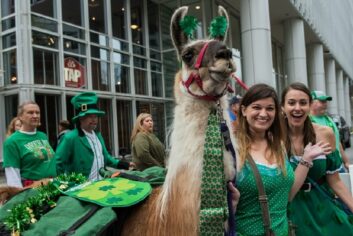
260 138
311 210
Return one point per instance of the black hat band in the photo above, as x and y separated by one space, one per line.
85 107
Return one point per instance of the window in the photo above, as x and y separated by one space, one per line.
121 73
158 116
170 65
10 67
45 40
72 11
100 75
45 67
7 7
124 113
96 15
44 7
105 125
118 11
137 30
11 104
49 113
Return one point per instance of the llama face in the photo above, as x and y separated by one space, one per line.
207 65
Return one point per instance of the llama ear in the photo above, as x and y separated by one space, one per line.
178 36
220 25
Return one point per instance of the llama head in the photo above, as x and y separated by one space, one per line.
207 64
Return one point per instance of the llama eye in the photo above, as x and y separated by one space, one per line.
187 56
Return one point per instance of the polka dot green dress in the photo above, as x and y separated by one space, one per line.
311 212
277 186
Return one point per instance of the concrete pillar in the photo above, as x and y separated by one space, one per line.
330 74
24 42
347 101
295 53
316 70
340 93
256 42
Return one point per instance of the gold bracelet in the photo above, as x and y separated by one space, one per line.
305 163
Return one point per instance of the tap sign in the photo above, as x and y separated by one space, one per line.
74 73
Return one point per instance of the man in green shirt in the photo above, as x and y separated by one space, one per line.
28 155
318 114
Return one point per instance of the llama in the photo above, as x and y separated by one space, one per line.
200 87
173 209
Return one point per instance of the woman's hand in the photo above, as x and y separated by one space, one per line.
312 151
235 195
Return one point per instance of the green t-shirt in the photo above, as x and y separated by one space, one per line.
327 121
31 153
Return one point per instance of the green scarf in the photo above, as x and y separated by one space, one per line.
214 209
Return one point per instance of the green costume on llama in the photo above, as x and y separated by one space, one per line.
277 186
311 211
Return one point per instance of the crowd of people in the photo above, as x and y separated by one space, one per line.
288 150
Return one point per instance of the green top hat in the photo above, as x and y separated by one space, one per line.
86 104
320 95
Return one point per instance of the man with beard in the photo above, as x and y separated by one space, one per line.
82 150
28 155
318 114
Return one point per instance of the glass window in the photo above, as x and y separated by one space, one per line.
105 125
45 67
10 67
141 85
155 66
72 11
140 63
155 55
139 50
9 40
122 79
44 7
8 23
49 113
100 53
137 31
118 9
7 7
153 25
44 23
96 15
170 66
124 113
100 75
120 45
121 58
157 84
74 47
11 104
157 112
99 39
74 32
235 32
45 40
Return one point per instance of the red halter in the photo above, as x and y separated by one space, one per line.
196 77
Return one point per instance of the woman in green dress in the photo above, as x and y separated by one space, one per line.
310 210
260 135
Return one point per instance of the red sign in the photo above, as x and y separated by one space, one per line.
74 73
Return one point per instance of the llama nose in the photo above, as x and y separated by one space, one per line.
224 53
